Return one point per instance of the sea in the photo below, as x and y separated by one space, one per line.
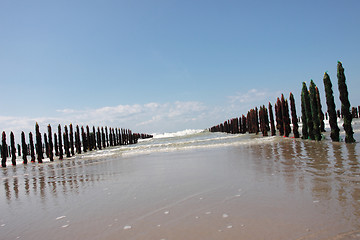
190 184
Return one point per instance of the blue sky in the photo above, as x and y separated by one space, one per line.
163 66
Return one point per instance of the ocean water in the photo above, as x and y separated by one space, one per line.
191 184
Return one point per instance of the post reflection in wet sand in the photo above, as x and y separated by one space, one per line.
332 170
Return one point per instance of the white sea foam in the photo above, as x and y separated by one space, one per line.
179 133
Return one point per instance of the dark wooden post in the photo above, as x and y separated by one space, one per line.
46 146
321 114
331 108
78 142
4 150
107 136
110 136
24 148
88 137
13 149
56 145
84 140
285 116
103 137
309 118
66 142
51 146
272 124
345 104
94 138
314 111
279 117
71 142
98 138
61 153
38 144
244 123
294 116
19 150
32 149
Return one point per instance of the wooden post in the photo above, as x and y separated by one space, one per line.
13 149
84 140
107 136
279 117
309 118
294 116
335 136
272 124
61 153
103 137
66 142
88 137
110 136
56 145
38 144
99 138
94 138
314 111
345 104
321 114
46 146
78 142
19 150
24 148
32 149
71 139
286 117
51 146
4 150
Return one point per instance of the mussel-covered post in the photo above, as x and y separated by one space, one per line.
61 153
314 111
38 144
32 149
84 140
345 104
51 146
4 150
321 114
294 116
98 135
13 149
71 139
24 148
285 115
279 117
272 124
103 137
309 117
46 146
331 108
56 145
78 142
66 142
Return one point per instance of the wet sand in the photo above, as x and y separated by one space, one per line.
280 189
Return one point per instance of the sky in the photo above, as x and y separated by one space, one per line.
167 65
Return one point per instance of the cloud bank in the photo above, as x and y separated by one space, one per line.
150 117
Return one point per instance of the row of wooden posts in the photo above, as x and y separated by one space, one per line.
312 116
67 142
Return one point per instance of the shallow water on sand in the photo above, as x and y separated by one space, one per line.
226 187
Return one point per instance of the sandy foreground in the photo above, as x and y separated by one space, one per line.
284 189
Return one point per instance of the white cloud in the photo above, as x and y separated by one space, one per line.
149 118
